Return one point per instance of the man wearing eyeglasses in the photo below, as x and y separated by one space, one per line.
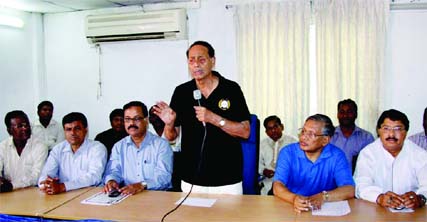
269 150
76 162
313 171
141 160
392 171
22 156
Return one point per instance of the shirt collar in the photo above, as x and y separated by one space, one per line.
82 147
147 140
355 131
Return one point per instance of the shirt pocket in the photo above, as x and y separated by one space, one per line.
148 168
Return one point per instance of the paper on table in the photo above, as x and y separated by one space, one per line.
404 210
103 199
338 208
197 202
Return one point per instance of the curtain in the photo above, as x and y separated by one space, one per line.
272 57
350 46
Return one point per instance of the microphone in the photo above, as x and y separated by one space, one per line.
197 95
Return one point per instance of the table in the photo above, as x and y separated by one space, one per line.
32 202
152 205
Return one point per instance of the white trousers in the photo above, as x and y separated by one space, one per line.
235 189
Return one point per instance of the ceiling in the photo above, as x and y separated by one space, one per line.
53 6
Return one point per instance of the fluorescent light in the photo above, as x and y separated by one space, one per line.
20 5
11 21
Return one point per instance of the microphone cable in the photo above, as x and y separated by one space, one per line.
195 175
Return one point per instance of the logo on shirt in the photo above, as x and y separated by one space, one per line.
224 104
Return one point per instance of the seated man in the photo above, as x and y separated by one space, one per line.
22 156
392 171
349 137
141 160
115 133
269 150
421 138
46 128
313 171
76 162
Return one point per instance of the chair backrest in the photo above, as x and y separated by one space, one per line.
250 149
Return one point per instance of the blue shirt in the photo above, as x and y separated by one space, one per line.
83 168
353 144
303 177
151 162
420 139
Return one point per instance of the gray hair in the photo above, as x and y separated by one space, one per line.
328 129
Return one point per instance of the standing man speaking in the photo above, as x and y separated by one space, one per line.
214 117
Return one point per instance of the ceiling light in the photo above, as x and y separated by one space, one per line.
11 21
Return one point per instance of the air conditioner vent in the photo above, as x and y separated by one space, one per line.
167 24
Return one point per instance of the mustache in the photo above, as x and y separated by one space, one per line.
133 126
391 138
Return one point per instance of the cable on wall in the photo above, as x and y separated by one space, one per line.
99 86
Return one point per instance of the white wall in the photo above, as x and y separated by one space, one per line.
405 85
20 50
149 70
136 70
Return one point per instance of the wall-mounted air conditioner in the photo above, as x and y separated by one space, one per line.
165 24
408 4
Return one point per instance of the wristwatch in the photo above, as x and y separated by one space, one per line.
325 196
222 122
144 184
423 199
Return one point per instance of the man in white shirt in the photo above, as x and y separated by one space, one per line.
421 138
269 149
76 162
21 155
45 128
392 171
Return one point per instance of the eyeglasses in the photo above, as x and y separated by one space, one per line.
308 134
395 129
21 125
137 119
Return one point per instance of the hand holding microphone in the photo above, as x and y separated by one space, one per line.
200 111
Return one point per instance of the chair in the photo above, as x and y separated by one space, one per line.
250 149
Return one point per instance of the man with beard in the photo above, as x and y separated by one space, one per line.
22 156
141 160
76 162
269 150
349 137
45 128
392 171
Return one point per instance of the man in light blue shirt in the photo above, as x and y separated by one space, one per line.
76 162
348 137
141 160
421 138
